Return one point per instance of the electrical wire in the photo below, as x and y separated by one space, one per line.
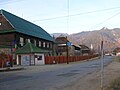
12 1
65 16
106 19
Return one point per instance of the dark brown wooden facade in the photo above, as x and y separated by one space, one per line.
13 39
63 48
5 38
5 25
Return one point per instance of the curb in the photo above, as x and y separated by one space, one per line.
11 69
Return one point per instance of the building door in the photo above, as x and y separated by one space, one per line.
19 59
25 59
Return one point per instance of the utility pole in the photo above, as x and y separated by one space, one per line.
67 50
102 65
67 30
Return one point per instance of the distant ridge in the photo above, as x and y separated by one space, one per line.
111 38
59 34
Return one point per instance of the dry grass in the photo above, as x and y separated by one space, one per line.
114 85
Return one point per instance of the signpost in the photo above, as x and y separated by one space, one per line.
69 44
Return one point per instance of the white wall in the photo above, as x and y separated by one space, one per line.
39 59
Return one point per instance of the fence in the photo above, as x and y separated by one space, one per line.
65 59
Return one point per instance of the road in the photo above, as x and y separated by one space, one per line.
49 77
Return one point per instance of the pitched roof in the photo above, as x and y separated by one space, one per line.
23 26
83 47
29 48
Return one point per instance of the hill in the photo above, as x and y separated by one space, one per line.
110 37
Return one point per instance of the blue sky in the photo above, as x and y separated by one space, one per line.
45 13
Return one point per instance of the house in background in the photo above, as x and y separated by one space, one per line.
61 46
64 46
85 50
15 32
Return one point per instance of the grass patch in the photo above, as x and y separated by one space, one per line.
114 85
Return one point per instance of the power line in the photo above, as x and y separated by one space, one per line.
107 19
65 16
8 2
68 15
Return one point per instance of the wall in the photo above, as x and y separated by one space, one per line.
5 25
7 39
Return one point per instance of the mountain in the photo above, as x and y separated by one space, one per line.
110 37
59 34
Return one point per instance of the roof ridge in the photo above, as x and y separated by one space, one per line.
21 18
26 27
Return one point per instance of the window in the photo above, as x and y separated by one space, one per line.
43 44
47 45
39 43
21 41
0 23
28 40
39 58
35 42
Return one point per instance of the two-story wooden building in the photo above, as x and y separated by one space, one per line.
15 32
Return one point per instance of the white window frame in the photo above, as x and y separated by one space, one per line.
48 45
35 42
40 43
21 41
43 44
28 40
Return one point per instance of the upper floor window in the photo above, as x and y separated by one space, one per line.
43 44
39 43
47 45
35 42
28 40
21 41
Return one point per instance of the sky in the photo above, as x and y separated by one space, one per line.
66 16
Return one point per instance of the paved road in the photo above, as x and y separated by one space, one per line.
49 77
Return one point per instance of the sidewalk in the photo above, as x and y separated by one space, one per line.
42 68
14 68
